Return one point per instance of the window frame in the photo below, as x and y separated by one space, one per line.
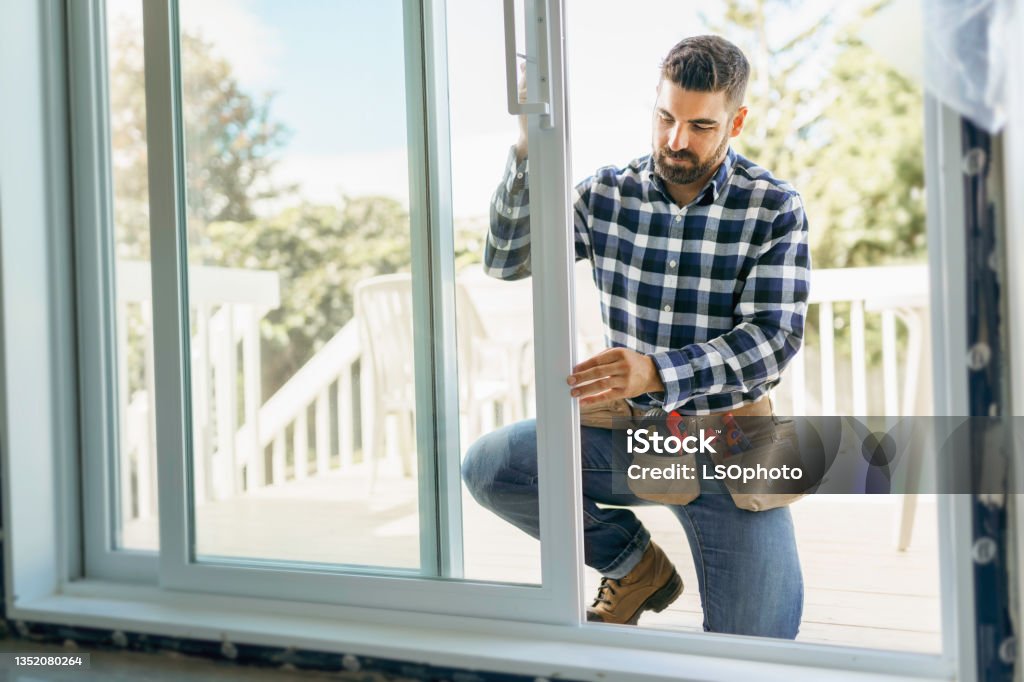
96 297
355 586
1013 177
40 531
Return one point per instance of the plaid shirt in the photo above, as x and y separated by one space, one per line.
714 292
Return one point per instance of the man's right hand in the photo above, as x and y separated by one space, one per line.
521 144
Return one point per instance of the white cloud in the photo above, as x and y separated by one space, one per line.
233 26
477 162
240 35
324 179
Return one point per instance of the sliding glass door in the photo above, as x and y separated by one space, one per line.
302 267
301 347
329 342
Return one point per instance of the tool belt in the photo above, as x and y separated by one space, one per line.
749 436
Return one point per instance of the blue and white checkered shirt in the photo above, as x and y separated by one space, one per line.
714 292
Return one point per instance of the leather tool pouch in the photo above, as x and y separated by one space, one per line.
772 446
663 491
768 442
602 415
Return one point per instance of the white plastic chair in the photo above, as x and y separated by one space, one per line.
383 307
486 369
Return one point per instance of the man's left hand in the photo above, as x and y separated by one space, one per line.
613 374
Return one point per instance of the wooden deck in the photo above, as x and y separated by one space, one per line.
860 591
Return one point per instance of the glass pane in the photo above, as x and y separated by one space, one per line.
303 401
834 107
135 467
495 313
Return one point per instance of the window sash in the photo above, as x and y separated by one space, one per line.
558 599
95 281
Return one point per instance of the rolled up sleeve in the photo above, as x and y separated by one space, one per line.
507 249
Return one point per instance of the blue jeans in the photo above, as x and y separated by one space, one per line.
748 571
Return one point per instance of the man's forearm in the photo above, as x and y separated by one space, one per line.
728 363
522 147
507 250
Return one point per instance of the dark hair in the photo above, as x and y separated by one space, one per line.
708 64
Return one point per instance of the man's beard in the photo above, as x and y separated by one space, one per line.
684 175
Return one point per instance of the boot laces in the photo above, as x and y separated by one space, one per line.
606 590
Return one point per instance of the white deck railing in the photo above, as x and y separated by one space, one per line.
231 452
226 306
332 368
899 296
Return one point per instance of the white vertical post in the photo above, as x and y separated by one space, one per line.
890 381
235 457
917 348
278 458
146 458
798 383
125 462
826 332
226 381
859 364
300 442
202 444
217 391
323 432
346 425
253 390
366 412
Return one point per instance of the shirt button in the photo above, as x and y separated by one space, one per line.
671 263
519 176
508 211
668 309
679 218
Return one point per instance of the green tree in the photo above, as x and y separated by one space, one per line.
846 129
320 253
870 180
231 143
827 114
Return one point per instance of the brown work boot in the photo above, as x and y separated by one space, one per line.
651 586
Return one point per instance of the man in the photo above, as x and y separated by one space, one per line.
702 261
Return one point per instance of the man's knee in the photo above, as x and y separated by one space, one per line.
772 607
474 470
500 463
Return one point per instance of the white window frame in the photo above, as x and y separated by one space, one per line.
173 567
1013 196
95 280
38 423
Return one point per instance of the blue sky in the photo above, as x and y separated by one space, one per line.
339 73
337 68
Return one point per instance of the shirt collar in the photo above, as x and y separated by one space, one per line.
721 176
709 193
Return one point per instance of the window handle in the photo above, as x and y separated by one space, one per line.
542 106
